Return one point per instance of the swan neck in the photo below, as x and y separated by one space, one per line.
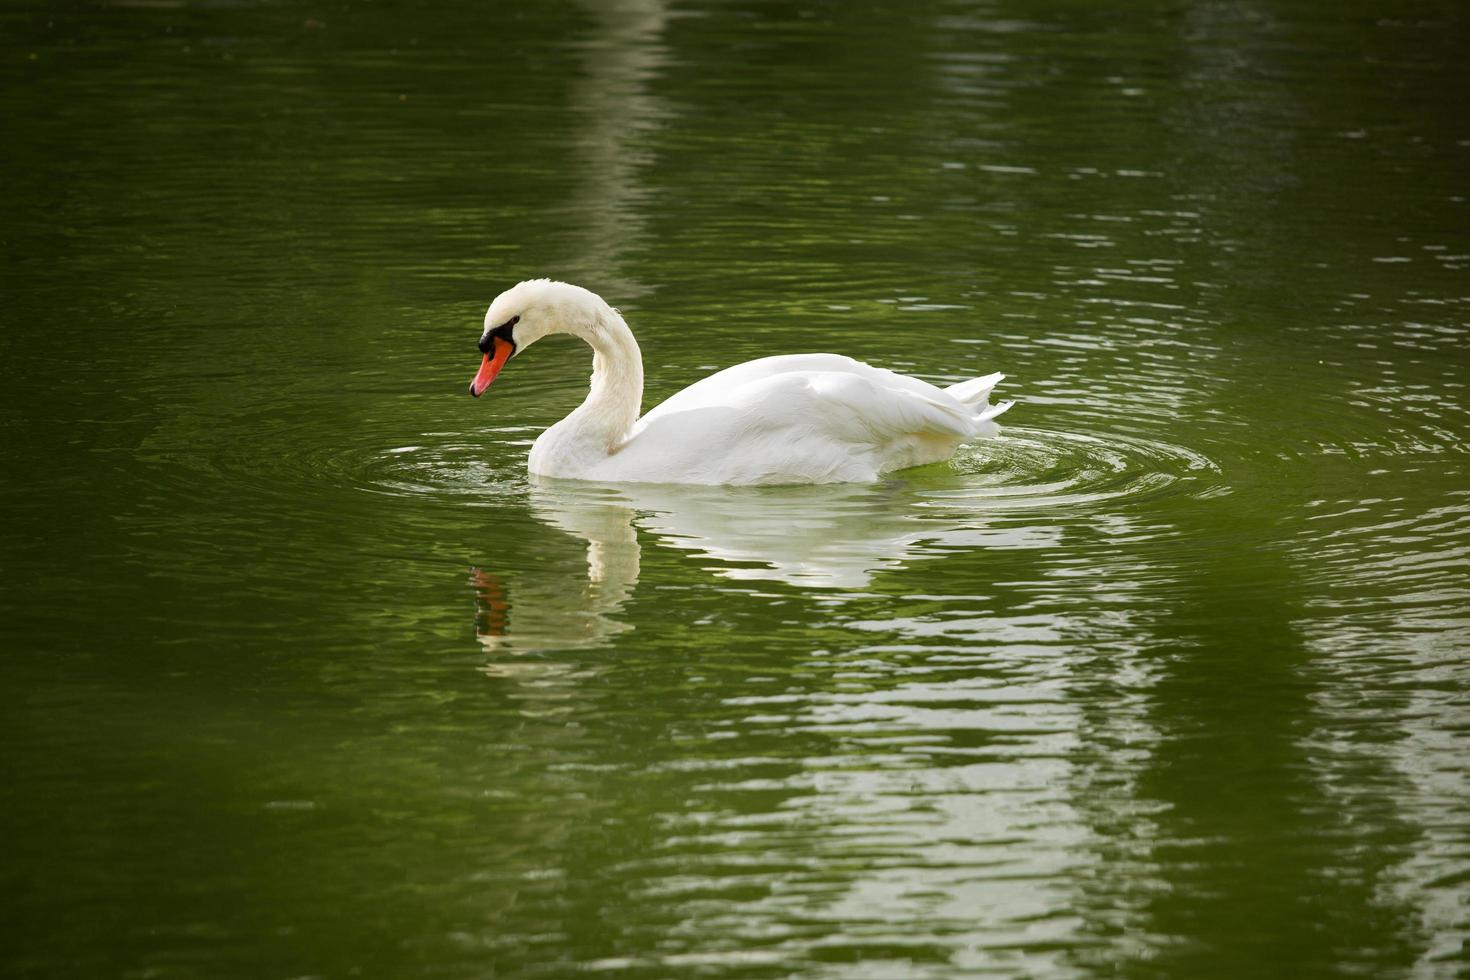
604 422
613 404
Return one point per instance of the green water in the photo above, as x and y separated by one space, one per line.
303 677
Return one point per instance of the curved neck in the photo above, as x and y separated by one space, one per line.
616 395
605 418
612 405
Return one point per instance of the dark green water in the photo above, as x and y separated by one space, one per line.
303 677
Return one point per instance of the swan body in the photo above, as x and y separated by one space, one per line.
794 418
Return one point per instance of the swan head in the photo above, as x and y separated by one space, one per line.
525 313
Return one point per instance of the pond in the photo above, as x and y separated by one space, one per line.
307 677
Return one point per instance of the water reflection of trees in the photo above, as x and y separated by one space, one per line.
1244 847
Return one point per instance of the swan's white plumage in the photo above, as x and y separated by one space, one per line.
795 418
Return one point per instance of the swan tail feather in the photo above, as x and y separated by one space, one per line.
976 390
975 396
995 410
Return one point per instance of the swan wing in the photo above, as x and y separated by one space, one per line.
797 420
723 386
865 411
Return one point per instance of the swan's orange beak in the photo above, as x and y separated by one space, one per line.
491 366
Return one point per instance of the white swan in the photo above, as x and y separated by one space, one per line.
795 418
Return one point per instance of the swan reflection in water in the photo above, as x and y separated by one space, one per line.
552 610
833 537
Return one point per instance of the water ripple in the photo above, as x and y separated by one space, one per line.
1036 468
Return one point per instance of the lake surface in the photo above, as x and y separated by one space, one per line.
304 677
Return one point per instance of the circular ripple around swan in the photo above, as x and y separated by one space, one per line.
1024 468
449 470
444 467
453 467
1033 468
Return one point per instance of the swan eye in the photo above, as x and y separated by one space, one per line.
488 341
